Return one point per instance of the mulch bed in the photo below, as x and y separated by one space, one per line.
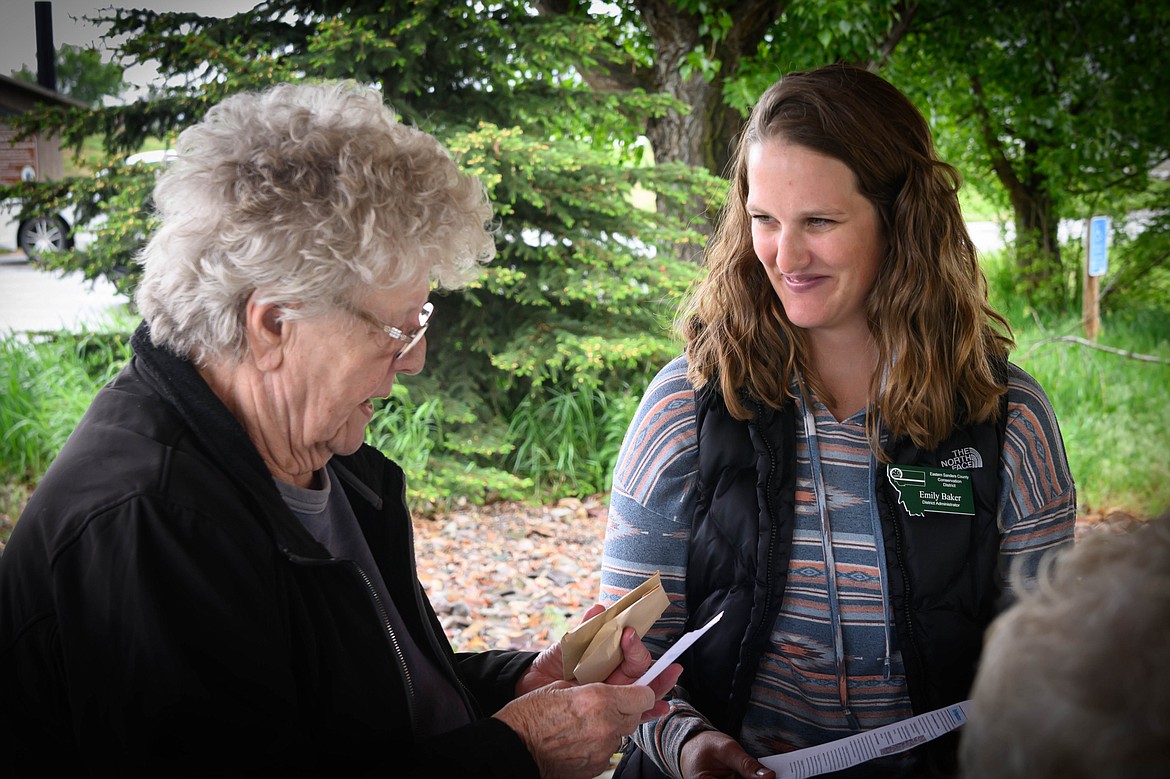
511 576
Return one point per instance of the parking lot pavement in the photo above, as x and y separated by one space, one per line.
34 299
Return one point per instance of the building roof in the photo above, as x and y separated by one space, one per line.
17 96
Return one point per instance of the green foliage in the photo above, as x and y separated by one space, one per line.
1047 109
526 364
579 299
1042 106
791 35
48 383
809 33
1003 286
573 305
580 277
568 441
976 205
438 467
82 75
1138 276
1112 408
1139 266
564 444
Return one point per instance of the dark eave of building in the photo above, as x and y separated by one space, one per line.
17 96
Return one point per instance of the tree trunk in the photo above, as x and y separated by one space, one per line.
705 135
1037 250
1037 242
702 136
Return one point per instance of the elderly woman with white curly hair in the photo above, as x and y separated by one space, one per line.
1074 682
216 574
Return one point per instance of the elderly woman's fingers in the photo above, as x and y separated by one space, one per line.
548 667
636 659
572 732
635 656
661 687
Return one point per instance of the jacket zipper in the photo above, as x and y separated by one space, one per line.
762 625
441 651
410 691
905 578
407 679
771 537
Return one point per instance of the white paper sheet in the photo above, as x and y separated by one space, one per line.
675 650
849 751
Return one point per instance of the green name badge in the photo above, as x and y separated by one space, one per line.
932 489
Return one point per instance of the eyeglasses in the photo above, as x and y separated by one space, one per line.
410 339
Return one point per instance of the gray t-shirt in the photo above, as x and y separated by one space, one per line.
329 518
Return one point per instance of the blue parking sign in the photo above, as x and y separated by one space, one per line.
1098 245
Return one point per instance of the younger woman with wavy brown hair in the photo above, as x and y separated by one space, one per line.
843 462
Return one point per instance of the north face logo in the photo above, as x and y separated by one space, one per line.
963 460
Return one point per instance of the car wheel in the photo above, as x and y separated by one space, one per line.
43 234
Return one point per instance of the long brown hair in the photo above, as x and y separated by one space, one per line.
939 341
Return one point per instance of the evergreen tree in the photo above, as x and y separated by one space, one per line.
576 306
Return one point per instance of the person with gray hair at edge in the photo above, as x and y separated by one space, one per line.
216 574
1073 683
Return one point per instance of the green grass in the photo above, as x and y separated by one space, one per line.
1113 409
569 445
48 381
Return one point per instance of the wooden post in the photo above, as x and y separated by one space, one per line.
1091 290
1091 307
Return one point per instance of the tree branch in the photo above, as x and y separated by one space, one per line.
904 14
606 76
752 19
1092 345
995 150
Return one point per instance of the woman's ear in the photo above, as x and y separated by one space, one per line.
266 333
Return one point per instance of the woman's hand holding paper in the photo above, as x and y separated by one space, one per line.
632 662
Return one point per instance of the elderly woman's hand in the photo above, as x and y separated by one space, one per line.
548 668
573 730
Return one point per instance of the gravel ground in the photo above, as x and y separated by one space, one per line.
511 576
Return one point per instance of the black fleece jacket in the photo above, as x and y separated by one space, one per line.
163 612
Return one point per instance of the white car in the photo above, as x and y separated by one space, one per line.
37 235
44 233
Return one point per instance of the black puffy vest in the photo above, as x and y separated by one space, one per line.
943 576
